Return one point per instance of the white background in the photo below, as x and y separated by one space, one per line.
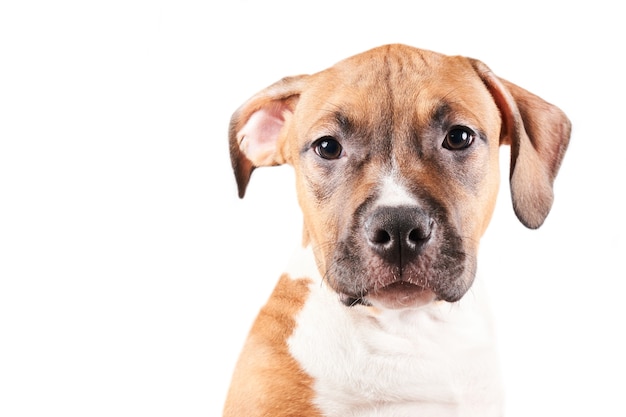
129 270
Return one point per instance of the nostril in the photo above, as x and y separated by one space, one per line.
415 236
380 237
419 235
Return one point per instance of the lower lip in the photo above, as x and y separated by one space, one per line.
401 295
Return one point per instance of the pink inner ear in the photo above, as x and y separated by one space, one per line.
260 134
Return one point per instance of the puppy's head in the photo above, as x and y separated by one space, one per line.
396 159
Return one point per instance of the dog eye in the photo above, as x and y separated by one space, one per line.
328 148
458 138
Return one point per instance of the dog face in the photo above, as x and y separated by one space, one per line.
396 159
397 172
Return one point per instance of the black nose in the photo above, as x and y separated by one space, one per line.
398 234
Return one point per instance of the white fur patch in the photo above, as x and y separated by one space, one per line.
393 193
438 360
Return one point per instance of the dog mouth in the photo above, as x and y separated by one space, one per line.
396 295
398 257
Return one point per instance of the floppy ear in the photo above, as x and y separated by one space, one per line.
538 133
256 126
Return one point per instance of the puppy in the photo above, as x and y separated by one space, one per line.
395 153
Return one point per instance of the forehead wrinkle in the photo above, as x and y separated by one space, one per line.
439 114
331 113
448 112
324 123
451 104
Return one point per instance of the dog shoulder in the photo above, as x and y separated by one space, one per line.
267 378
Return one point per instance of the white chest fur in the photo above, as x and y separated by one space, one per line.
438 360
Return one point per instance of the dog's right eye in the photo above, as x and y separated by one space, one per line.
328 147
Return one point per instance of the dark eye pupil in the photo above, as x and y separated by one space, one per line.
458 139
458 136
328 148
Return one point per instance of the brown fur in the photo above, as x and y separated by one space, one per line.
279 378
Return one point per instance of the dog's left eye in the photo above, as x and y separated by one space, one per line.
328 148
458 138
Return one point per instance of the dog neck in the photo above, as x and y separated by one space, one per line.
364 359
